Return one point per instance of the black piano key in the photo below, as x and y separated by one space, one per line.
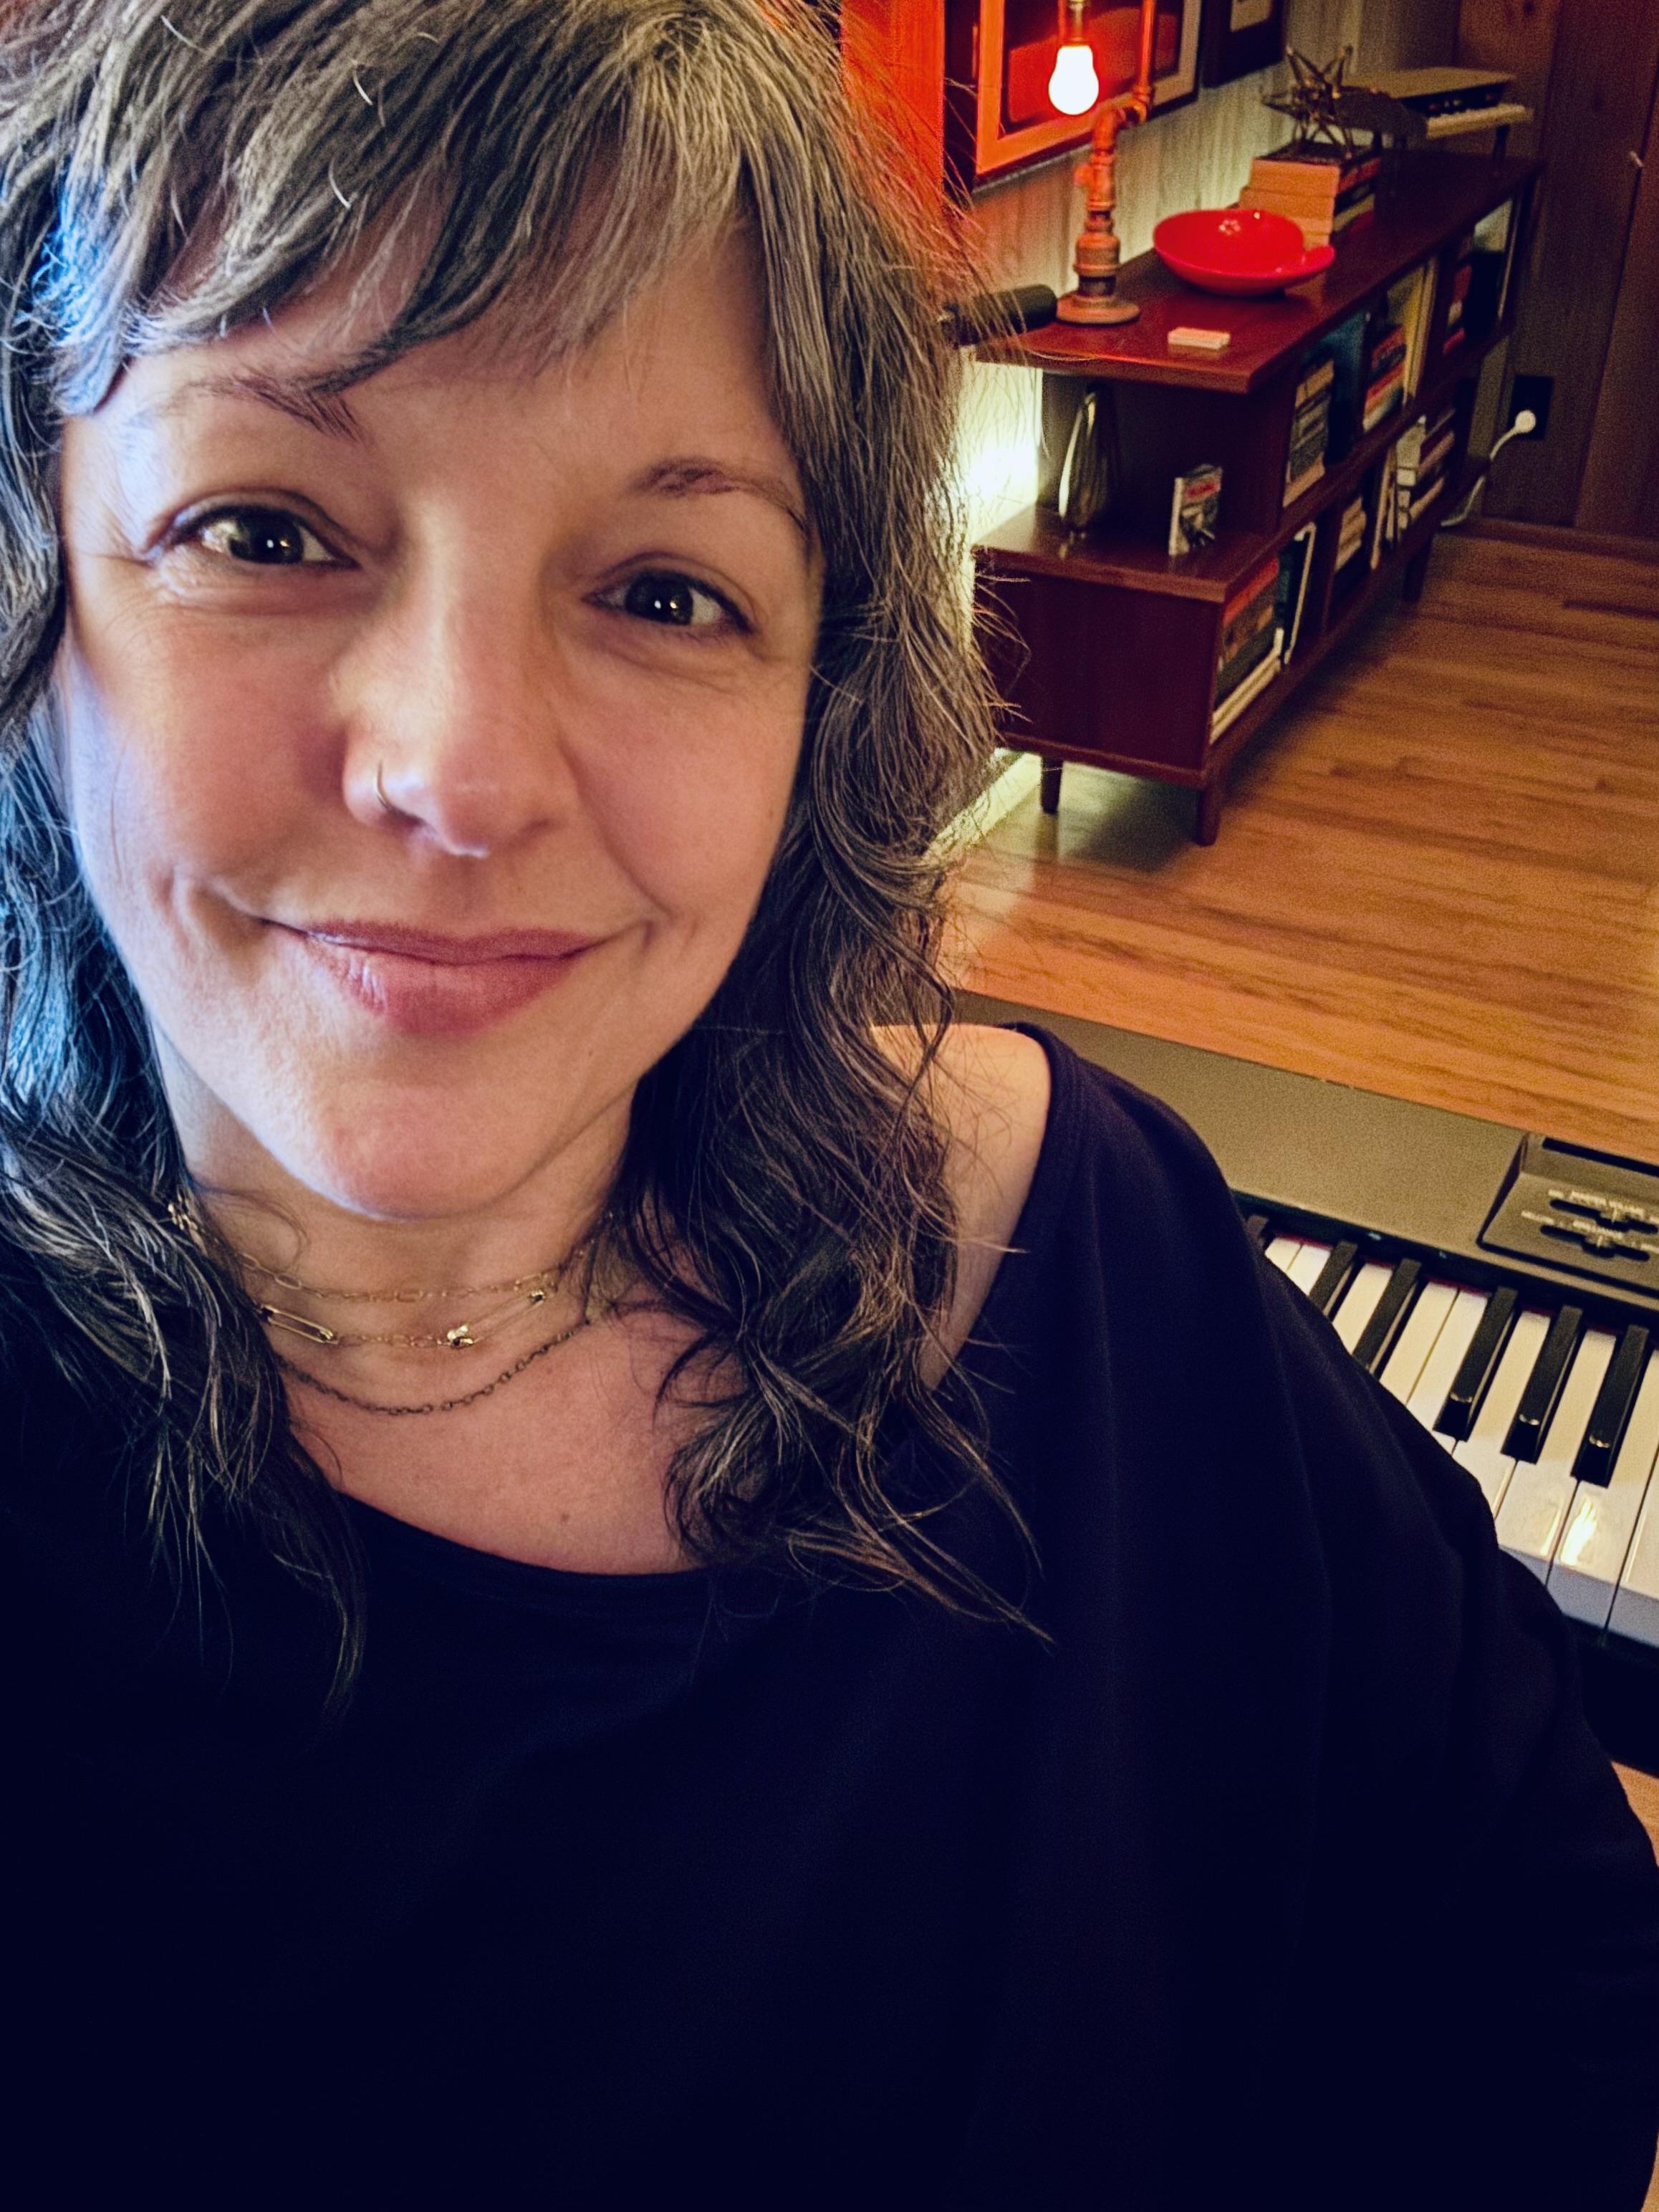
1256 1230
1611 1411
1332 1279
1479 1364
1531 1415
1376 1338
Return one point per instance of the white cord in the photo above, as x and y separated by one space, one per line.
1523 425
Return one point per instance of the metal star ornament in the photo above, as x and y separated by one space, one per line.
1313 100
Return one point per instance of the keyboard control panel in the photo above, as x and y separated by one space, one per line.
1590 1212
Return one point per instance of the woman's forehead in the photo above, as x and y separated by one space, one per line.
329 326
673 393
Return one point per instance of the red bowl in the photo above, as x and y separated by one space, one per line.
1238 250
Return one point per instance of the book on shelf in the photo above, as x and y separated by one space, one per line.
1348 351
1423 455
1320 228
1195 510
1240 697
1384 395
1246 614
1239 636
1432 456
1291 595
1311 420
1314 178
1240 652
1497 234
1457 294
1387 349
1422 499
1249 657
1318 375
1307 475
1385 523
1413 441
1351 531
1411 304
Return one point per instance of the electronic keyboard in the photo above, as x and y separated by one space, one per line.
1504 1286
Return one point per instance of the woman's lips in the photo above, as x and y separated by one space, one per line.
425 985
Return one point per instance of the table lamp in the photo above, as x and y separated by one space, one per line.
1074 88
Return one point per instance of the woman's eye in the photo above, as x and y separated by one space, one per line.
263 536
674 601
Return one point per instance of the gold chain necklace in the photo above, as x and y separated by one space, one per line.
441 1405
542 1278
533 1289
463 1337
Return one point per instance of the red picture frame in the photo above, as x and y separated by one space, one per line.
999 55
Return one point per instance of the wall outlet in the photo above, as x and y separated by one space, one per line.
1534 391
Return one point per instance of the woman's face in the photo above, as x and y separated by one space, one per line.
562 624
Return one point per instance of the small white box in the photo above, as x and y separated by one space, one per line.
1188 339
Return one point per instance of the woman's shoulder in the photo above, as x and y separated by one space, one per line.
993 1091
1042 1142
1036 1127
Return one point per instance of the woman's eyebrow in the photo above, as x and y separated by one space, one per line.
329 412
684 476
692 476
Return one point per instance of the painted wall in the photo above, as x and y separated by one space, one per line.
1199 156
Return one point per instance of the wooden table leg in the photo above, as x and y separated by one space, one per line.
1049 796
1209 812
1417 570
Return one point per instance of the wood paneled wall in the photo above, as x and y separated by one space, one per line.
1519 36
1597 98
1620 492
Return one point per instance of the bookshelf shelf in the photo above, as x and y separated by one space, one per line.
1106 648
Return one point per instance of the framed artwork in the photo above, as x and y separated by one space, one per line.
1240 36
1000 55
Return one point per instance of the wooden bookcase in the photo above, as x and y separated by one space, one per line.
1105 649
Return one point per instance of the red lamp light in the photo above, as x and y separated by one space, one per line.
1075 87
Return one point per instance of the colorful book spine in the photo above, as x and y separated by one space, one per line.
1243 662
1310 422
1228 712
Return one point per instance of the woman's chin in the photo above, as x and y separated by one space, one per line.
439 1172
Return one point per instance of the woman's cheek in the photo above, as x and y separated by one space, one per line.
693 798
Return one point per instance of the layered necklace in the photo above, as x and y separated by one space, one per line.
509 1302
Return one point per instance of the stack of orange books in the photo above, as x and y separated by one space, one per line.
1321 188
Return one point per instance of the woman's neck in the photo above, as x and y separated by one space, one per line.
390 1305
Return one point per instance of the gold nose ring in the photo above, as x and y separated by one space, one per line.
380 788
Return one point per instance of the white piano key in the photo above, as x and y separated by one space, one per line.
1636 1602
1590 1556
1309 1264
1482 1451
1416 1339
1440 1369
1282 1252
1359 1302
1540 1493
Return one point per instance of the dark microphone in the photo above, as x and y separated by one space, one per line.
997 314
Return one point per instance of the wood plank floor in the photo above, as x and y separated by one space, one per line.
1438 874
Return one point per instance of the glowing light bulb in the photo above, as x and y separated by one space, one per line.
1074 88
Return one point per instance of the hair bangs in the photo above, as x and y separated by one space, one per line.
550 164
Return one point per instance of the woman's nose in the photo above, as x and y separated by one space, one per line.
457 721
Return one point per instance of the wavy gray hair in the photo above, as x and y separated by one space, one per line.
172 168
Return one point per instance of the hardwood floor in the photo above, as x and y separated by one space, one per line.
1438 874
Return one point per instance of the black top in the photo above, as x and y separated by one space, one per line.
1287 1874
